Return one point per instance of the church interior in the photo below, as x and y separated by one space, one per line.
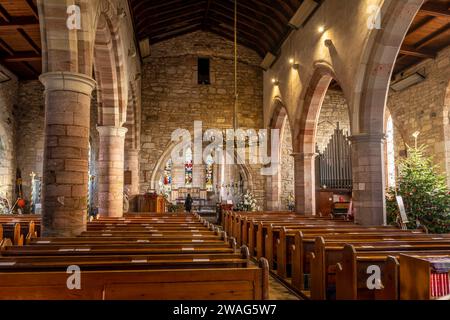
225 150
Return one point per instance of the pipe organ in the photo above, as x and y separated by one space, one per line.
334 163
334 175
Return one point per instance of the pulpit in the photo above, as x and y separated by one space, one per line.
151 202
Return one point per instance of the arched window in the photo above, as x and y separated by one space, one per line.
165 184
209 173
390 152
188 169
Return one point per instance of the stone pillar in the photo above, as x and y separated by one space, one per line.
368 179
178 176
273 191
132 164
199 176
110 171
305 186
65 170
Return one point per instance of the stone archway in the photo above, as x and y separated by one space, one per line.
305 140
369 103
68 60
274 183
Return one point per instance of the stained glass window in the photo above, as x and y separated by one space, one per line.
209 173
165 185
188 168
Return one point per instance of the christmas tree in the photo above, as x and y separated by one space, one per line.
424 192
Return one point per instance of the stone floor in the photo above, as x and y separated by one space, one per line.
278 291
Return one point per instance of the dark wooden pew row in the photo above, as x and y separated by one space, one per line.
352 273
250 283
19 231
229 219
267 234
110 249
188 253
285 240
125 262
328 254
257 231
305 246
251 231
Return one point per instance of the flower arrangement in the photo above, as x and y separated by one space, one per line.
248 202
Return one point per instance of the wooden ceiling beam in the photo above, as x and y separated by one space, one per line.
208 8
244 34
33 8
31 68
5 14
6 47
173 19
255 30
30 41
175 33
140 5
155 31
253 13
274 6
432 36
143 16
435 10
423 23
22 56
409 51
246 20
19 22
245 42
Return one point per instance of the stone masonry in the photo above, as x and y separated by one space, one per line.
172 97
8 98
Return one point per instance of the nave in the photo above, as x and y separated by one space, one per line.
225 150
184 257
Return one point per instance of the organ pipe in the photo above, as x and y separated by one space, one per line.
334 162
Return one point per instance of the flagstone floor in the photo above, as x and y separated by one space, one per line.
277 291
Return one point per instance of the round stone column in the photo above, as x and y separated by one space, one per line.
178 176
305 186
132 165
369 202
111 170
199 176
65 171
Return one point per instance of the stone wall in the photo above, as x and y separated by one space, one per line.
30 132
172 97
8 100
334 109
287 167
425 108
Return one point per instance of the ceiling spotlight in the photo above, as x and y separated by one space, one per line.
275 81
321 29
291 61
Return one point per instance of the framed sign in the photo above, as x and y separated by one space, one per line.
401 206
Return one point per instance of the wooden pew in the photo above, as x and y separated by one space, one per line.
286 241
328 253
352 276
424 275
181 257
250 283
